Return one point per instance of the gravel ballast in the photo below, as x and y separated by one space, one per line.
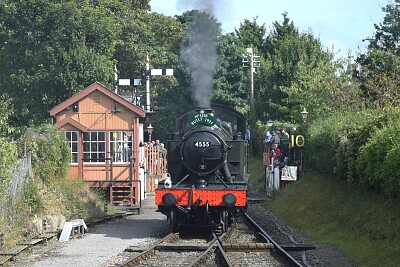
103 245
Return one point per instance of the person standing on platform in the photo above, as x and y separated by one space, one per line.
267 142
275 152
275 139
248 134
285 143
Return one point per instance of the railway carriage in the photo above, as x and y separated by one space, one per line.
207 176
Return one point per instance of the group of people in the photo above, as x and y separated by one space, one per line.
277 144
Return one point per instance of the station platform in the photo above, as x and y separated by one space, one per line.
149 202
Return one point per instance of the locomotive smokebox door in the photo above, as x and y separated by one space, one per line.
203 152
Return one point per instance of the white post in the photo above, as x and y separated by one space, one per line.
252 69
147 83
116 78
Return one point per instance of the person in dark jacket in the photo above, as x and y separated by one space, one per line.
275 139
285 143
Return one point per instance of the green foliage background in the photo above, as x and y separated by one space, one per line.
8 156
48 191
53 49
50 153
357 147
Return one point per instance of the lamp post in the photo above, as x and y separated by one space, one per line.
149 131
270 123
304 114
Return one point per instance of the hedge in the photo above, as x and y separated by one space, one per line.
360 147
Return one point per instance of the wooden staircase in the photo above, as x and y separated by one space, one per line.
122 195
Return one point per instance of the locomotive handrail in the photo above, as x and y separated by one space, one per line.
183 179
222 181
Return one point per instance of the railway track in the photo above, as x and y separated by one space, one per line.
176 249
244 244
6 257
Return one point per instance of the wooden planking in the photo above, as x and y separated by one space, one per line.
4 259
15 250
31 242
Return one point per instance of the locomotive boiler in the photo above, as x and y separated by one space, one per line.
207 169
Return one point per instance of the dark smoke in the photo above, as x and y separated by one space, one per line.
201 53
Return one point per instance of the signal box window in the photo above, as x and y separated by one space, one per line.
120 145
94 146
72 141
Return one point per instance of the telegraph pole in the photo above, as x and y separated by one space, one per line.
147 83
254 63
115 79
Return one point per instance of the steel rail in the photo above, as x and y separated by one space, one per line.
278 248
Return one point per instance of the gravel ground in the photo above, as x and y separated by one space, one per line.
103 243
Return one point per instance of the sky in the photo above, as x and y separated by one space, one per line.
341 24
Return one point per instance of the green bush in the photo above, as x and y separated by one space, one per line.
33 199
50 153
376 163
8 156
361 148
355 131
321 141
390 170
257 138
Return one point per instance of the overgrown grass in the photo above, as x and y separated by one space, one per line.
257 174
366 227
60 198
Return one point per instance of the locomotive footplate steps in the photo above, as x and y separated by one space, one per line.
247 247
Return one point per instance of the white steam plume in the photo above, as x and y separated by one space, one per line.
201 54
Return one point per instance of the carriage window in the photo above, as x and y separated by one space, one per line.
72 141
94 146
120 145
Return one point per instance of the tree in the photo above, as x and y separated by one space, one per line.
6 110
51 51
387 35
149 34
296 72
379 76
377 69
230 87
250 34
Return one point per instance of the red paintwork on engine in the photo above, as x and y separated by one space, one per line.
214 197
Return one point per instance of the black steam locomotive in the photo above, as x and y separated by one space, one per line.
208 172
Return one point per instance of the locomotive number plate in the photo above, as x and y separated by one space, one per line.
202 144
